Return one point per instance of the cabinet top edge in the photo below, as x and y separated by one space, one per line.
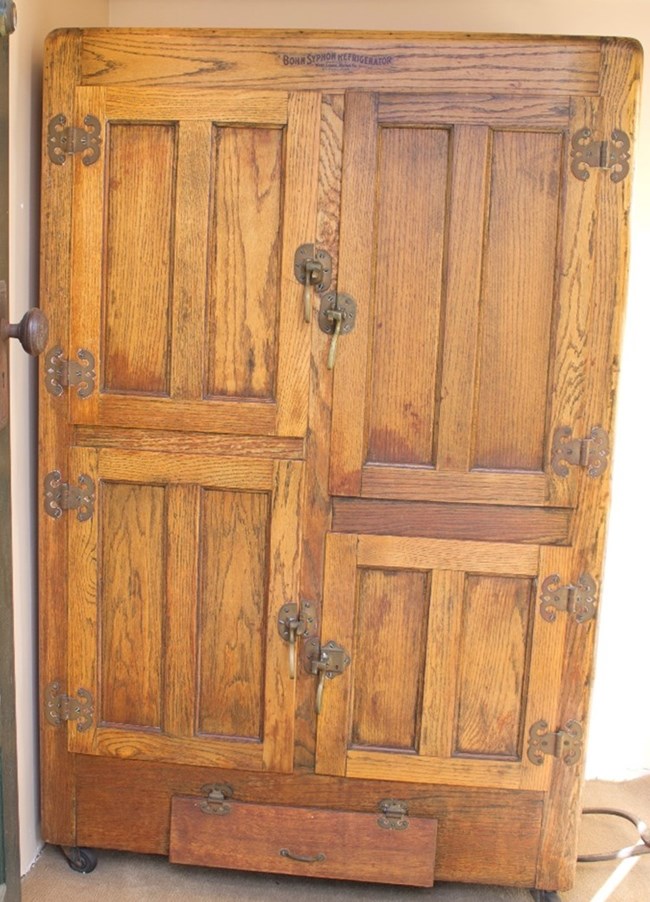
333 60
255 35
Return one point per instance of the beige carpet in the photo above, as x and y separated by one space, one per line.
121 877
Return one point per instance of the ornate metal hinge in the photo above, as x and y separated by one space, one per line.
64 140
216 796
579 601
393 815
614 154
295 621
60 707
565 744
61 496
591 452
61 373
326 662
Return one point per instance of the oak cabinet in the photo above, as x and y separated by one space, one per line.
324 531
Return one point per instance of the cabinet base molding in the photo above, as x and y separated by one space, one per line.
113 794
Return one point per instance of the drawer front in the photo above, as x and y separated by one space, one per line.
342 845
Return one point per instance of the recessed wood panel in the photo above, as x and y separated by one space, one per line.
493 663
139 257
130 606
232 619
409 249
517 300
391 629
244 247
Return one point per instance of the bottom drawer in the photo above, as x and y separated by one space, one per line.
342 845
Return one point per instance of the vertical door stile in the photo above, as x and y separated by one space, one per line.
283 587
87 283
338 623
300 217
193 181
570 369
355 278
83 618
547 653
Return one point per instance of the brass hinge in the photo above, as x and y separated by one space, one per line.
591 452
64 140
61 373
325 661
61 496
613 155
296 621
394 814
579 600
216 796
565 744
60 707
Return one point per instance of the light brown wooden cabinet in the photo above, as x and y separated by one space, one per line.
203 467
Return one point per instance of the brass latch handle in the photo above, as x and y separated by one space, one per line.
294 622
326 662
337 317
312 267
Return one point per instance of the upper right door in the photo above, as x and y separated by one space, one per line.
465 241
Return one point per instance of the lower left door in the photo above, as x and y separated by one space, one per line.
179 564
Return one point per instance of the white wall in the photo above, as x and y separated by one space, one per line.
620 728
35 19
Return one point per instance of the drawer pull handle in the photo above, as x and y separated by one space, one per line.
309 859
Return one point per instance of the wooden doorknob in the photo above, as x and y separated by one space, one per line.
32 331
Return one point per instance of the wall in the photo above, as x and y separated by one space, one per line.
35 19
625 620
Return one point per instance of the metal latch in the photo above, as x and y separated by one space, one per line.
591 452
338 313
614 154
565 744
61 496
394 813
326 662
64 140
216 798
312 267
60 707
579 601
61 373
295 621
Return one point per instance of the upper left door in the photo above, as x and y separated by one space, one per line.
189 205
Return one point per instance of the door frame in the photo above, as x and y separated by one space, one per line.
9 832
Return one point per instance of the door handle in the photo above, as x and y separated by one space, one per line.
32 331
312 267
337 317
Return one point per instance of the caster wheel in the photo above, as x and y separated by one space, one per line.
545 895
83 861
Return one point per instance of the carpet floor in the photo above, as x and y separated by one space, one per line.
123 877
